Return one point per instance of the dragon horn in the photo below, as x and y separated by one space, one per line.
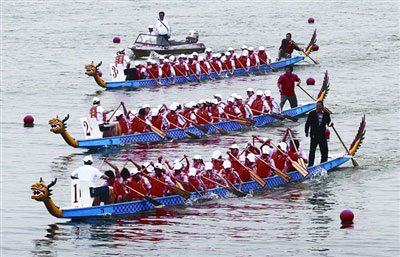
41 179
98 65
52 183
66 118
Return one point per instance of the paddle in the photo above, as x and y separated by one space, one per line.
278 172
300 160
178 183
222 131
315 62
147 198
290 117
253 174
197 125
185 194
272 115
240 120
231 189
296 165
158 81
241 65
190 134
355 163
115 110
155 130
325 108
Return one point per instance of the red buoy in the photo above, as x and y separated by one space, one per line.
116 40
28 121
99 73
310 81
311 20
315 48
347 217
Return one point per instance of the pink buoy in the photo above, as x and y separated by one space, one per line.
99 73
28 121
310 81
116 40
347 217
311 20
315 48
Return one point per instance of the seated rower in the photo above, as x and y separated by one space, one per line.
280 159
293 154
233 156
270 103
140 71
264 57
208 172
230 176
168 71
249 163
179 175
250 96
258 104
98 112
227 63
182 68
209 54
173 117
243 61
231 111
203 116
188 115
219 99
158 120
123 123
253 58
138 183
215 111
154 72
194 183
116 182
217 161
198 163
263 170
244 108
139 123
91 175
215 65
159 189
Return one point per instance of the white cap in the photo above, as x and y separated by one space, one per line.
172 58
95 100
214 101
251 157
118 113
166 61
158 166
260 92
233 95
173 107
188 105
208 49
192 172
250 89
178 166
234 146
197 157
153 61
227 53
148 60
245 53
217 55
265 149
134 171
190 56
267 92
195 54
122 49
230 49
244 47
218 95
201 101
208 100
154 112
161 57
283 146
227 164
183 55
88 158
230 99
208 166
261 48
193 103
216 154
238 97
137 63
146 106
150 26
251 48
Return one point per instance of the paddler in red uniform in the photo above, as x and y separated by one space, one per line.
263 170
158 189
154 72
138 184
227 63
270 104
287 47
249 163
140 71
258 105
181 68
98 112
215 65
234 152
204 67
139 123
264 56
244 108
173 117
243 61
231 111
250 96
217 161
194 183
208 172
230 176
280 159
168 71
116 182
209 54
179 174
158 121
215 111
253 57
119 117
219 99
203 116
198 163
188 114
293 154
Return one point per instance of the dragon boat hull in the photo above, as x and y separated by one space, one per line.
129 208
214 75
150 137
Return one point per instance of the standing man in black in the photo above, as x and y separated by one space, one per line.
318 120
287 47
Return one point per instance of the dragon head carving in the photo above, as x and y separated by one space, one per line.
41 191
91 69
58 126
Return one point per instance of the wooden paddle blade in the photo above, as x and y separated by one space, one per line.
201 128
276 116
301 170
283 175
355 163
151 200
185 194
243 122
257 179
192 135
236 192
290 117
158 132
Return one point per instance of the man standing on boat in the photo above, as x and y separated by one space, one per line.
317 121
287 47
162 29
286 84
91 174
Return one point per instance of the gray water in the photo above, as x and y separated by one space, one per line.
45 45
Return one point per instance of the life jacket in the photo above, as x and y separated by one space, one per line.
192 67
157 188
203 67
257 106
215 114
166 70
93 113
153 72
262 56
230 112
242 110
288 48
263 170
124 125
203 113
173 119
293 155
236 164
270 104
207 183
138 125
279 160
241 62
119 59
253 60
193 183
157 121
180 69
244 174
138 186
230 176
187 115
215 66
118 188
227 65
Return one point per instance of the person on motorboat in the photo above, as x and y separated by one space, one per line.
162 29
151 32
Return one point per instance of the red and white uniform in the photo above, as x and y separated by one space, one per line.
271 105
204 114
167 70
279 160
138 185
263 170
123 123
181 69
154 72
194 183
232 176
174 119
158 189
216 113
215 65
189 115
159 122
96 111
138 125
123 60
253 58
258 106
242 62
232 111
245 110
210 175
263 56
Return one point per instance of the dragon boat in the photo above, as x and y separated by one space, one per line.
81 203
92 70
59 126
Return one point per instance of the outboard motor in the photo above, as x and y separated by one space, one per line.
192 37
